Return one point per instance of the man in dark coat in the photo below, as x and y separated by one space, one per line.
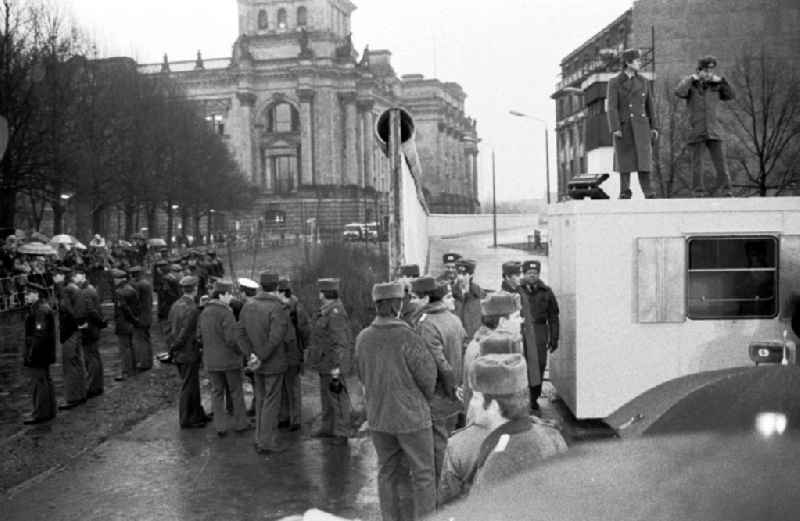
222 357
329 354
40 352
406 274
265 334
540 316
703 91
467 294
185 350
90 319
444 336
168 290
291 400
632 123
399 377
71 331
142 344
126 317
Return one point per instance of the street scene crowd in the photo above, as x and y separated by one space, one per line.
450 372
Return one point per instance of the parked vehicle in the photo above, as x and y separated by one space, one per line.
354 232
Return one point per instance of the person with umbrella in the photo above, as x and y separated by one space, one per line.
40 353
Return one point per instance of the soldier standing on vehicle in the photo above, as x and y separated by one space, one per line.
445 337
291 400
467 294
266 336
329 353
185 353
541 319
142 344
399 378
40 353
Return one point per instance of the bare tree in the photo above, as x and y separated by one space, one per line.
672 166
765 123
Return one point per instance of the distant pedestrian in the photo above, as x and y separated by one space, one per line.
142 343
541 326
40 353
265 334
126 318
91 321
291 400
185 353
467 294
72 362
168 291
445 338
399 377
329 354
703 91
222 358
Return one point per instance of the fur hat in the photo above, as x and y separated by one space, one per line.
188 281
465 266
500 303
628 55
531 265
267 278
450 258
328 284
284 283
409 270
423 285
499 374
512 268
499 344
387 290
707 62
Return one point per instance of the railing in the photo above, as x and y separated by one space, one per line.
12 292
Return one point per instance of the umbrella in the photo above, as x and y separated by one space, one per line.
157 242
712 400
705 476
67 240
36 248
123 243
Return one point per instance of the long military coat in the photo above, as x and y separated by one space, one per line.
630 110
468 306
216 330
264 329
330 343
182 335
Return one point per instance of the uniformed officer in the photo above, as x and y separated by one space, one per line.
511 271
449 275
90 319
142 344
405 275
168 291
541 319
185 352
248 288
329 353
264 334
467 294
445 337
516 441
126 316
40 352
291 401
72 362
399 377
631 120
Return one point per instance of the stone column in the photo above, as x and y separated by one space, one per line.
267 171
350 174
368 139
307 175
246 101
474 157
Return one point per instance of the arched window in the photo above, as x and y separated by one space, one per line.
283 117
262 19
302 16
281 18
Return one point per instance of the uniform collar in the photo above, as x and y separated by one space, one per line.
434 307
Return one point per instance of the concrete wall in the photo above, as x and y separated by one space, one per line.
458 224
616 356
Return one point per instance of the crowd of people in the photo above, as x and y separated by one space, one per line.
451 373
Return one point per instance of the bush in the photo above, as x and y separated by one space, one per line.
358 268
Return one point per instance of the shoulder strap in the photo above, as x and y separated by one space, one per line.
491 441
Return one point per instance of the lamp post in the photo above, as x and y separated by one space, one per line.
546 145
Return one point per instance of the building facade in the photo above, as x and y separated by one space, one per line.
297 106
672 35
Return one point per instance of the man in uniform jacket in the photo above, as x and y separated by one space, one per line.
329 354
72 363
449 274
517 441
467 294
40 352
631 121
90 318
703 91
291 399
185 350
126 318
142 346
399 377
222 358
264 332
464 445
443 335
168 290
541 318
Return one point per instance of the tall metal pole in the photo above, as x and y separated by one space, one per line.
494 202
547 160
394 200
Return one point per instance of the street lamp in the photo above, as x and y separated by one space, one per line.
546 145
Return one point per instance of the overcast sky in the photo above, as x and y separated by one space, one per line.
505 55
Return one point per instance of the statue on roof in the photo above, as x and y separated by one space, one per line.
364 62
305 49
345 50
198 64
165 64
241 50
